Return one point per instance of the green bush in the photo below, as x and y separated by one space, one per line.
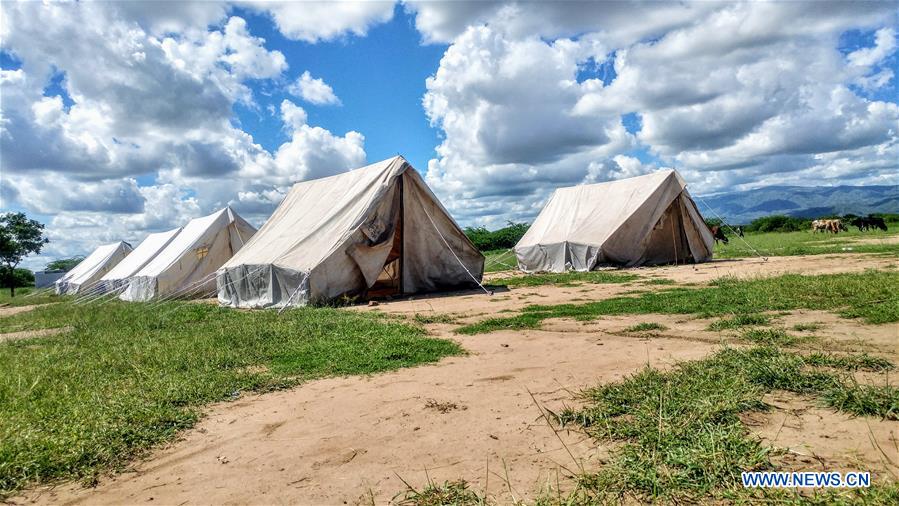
778 223
20 277
503 238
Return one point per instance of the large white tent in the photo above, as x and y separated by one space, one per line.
87 273
186 266
372 231
117 278
641 220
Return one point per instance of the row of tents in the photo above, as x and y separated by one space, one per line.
379 230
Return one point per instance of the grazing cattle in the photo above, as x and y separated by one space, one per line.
869 223
740 231
833 226
718 234
875 222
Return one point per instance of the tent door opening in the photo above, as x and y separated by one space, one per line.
389 281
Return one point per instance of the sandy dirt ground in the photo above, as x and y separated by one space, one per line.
11 310
354 440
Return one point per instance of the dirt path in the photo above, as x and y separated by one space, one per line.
11 310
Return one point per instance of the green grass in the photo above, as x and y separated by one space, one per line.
127 377
679 437
871 295
645 326
658 281
28 297
863 362
565 278
806 243
456 493
741 320
807 327
500 260
427 318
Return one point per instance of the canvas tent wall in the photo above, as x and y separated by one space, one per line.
117 278
369 231
186 266
86 274
648 219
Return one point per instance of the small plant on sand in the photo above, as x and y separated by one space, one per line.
741 320
807 327
457 493
645 327
426 318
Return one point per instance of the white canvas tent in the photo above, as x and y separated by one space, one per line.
648 219
186 266
117 278
87 273
372 231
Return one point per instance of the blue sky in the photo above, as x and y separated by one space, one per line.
379 78
146 117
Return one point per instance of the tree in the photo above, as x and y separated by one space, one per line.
19 237
64 264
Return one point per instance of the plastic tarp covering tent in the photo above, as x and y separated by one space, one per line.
186 266
642 220
378 229
86 274
117 278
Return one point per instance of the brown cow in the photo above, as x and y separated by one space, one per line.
718 234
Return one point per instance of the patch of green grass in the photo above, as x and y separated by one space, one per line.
862 362
565 278
456 493
28 297
127 377
741 320
500 260
679 435
658 281
807 327
645 326
871 295
770 337
434 318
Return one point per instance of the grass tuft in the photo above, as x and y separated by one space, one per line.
740 320
455 493
807 327
428 318
645 326
863 362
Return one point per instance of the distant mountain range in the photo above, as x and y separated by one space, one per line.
800 201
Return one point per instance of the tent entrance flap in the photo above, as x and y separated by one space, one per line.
388 282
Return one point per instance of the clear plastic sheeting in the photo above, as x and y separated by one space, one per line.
365 232
186 266
86 274
642 220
